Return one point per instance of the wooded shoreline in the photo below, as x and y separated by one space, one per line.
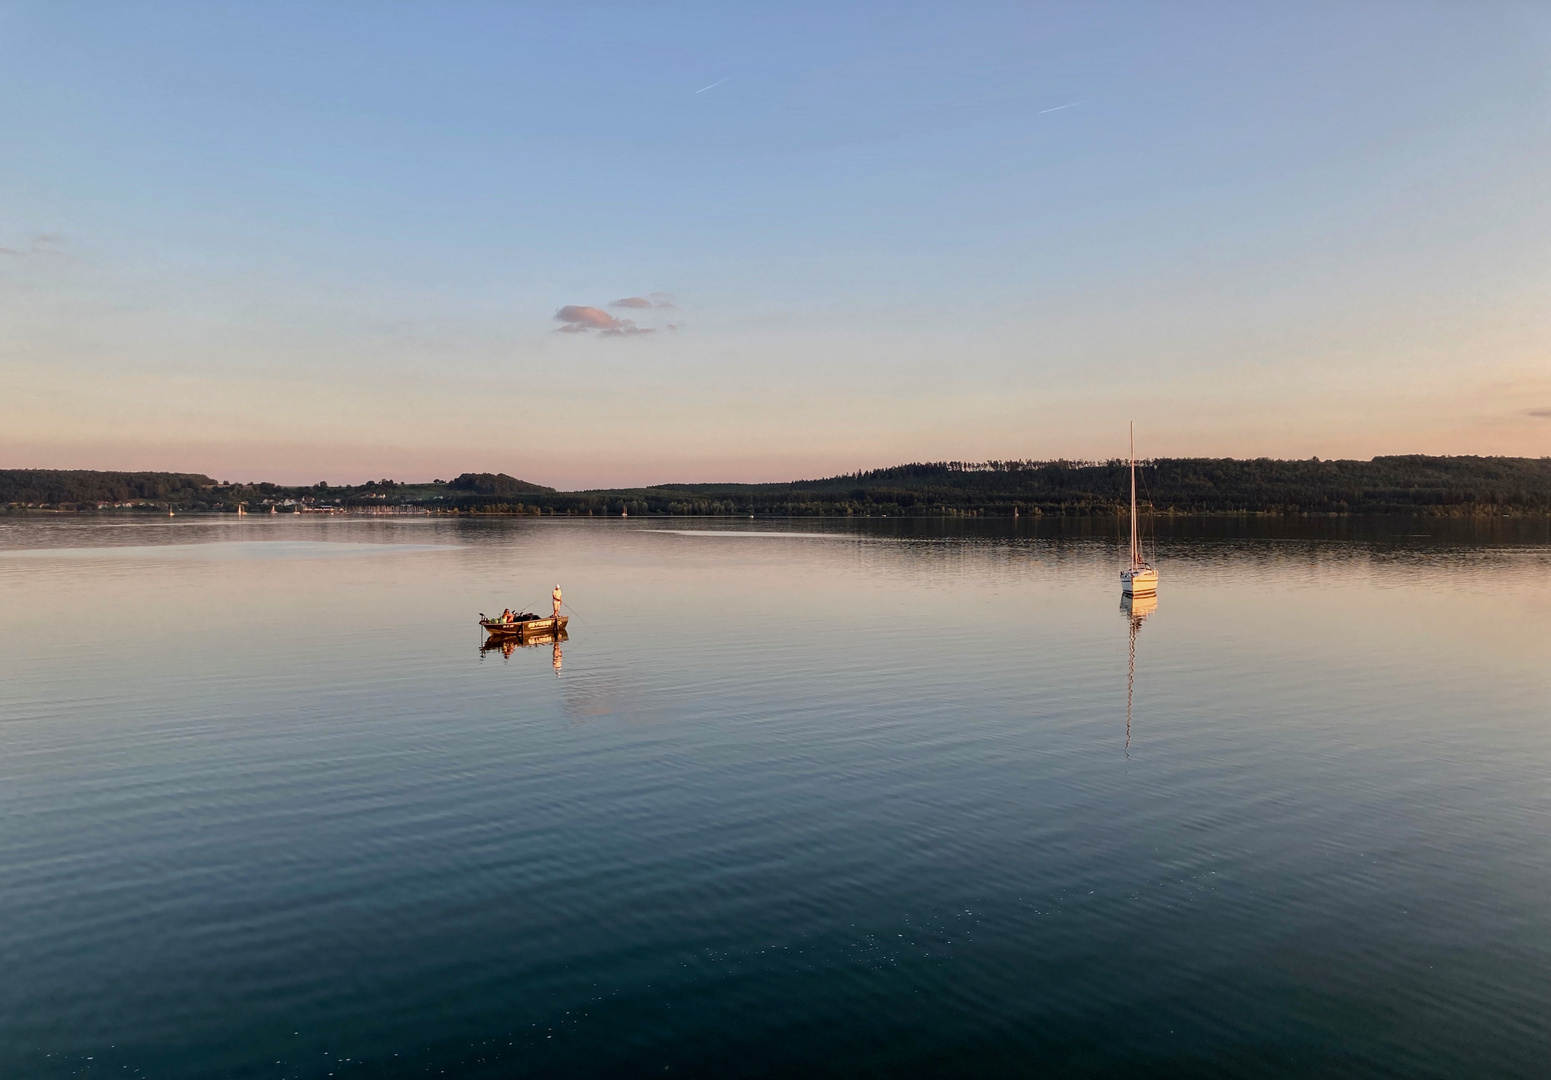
1415 484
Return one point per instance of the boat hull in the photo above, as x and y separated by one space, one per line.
528 630
1140 582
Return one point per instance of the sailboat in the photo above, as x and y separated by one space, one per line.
1138 579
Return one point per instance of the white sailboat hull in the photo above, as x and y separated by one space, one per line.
1141 581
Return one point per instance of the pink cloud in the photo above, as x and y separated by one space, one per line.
588 318
580 318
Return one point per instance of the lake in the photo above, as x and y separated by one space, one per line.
794 798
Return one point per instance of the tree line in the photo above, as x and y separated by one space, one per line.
1400 484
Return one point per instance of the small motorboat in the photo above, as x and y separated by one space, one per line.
524 626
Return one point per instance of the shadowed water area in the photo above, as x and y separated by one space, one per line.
807 798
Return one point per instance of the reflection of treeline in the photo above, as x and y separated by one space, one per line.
1412 484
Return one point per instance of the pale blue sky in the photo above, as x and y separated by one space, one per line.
312 240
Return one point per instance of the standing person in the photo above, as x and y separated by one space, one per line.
555 596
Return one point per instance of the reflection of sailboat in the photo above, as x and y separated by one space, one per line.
1136 609
1138 579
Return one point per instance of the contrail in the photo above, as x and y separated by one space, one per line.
713 86
1058 108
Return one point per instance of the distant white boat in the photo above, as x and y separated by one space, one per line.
1138 579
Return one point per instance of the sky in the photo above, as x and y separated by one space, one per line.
595 245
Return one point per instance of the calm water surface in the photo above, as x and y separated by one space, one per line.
796 799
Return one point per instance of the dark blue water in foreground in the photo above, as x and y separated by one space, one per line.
859 803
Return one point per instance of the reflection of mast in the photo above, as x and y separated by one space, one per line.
1136 609
1136 624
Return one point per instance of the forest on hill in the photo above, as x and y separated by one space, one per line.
86 489
1456 486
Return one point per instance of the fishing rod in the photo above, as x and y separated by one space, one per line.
564 604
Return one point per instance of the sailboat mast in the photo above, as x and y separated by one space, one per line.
1136 554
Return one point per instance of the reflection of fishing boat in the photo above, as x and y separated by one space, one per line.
509 643
1138 579
525 628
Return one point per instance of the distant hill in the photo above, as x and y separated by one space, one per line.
1460 486
1192 485
483 483
1406 484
